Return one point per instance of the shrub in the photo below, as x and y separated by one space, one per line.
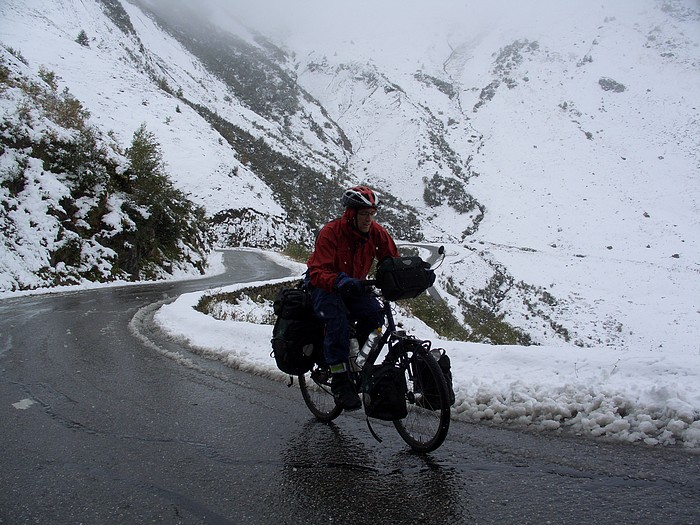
608 84
49 77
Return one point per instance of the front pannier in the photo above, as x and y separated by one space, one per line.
404 277
425 381
384 395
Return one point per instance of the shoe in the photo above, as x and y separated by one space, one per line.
344 392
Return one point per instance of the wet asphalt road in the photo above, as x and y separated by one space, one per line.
98 425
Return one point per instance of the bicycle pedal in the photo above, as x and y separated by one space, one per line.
320 377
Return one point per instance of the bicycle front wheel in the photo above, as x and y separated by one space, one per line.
316 390
428 420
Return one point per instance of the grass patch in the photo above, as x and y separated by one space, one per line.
437 315
210 303
297 252
433 312
483 314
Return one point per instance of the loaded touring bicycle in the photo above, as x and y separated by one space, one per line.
400 378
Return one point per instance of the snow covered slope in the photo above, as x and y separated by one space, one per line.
579 128
552 145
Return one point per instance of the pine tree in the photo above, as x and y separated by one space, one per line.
83 39
148 178
170 219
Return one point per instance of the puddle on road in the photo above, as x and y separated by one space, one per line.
24 404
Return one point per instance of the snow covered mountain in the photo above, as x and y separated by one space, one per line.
552 146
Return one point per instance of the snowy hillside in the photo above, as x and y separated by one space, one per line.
575 126
552 146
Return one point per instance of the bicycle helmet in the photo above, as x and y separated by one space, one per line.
360 197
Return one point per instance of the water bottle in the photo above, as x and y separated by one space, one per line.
354 352
368 347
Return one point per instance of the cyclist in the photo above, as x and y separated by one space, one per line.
343 255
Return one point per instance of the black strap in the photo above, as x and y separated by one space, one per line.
371 431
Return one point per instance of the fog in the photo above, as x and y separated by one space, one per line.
399 33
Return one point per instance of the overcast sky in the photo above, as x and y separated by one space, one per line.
400 31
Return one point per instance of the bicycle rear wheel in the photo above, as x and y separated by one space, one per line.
428 420
316 390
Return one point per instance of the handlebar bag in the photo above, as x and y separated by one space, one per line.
404 277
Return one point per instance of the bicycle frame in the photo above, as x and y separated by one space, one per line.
390 328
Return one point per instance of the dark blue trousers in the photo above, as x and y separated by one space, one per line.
337 313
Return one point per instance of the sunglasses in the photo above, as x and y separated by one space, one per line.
367 213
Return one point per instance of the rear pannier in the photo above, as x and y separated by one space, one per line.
293 303
297 337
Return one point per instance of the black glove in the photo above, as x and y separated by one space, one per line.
348 286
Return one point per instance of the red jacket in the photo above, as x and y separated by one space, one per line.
340 247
